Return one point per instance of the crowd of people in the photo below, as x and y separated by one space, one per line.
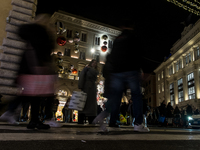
169 116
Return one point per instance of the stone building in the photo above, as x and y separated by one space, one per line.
149 85
177 78
78 41
13 14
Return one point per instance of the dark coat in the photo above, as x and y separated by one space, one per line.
87 84
39 47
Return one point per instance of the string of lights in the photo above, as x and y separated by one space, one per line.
192 6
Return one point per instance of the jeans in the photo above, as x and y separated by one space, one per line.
118 84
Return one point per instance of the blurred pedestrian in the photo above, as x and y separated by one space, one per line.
124 70
87 83
51 106
36 60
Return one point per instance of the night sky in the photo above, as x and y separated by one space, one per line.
158 22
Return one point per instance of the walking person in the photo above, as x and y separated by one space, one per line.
124 71
36 60
87 83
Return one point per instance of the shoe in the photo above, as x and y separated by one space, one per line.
140 128
53 123
9 117
38 125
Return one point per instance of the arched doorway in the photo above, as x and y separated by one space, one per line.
62 94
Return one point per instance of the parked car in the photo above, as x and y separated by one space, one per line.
194 121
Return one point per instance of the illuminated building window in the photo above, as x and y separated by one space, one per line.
158 77
82 55
97 40
69 33
84 37
180 90
171 88
198 54
162 74
158 88
67 52
171 70
163 88
191 86
188 58
110 44
96 56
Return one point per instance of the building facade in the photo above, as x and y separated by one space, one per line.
177 78
78 41
149 85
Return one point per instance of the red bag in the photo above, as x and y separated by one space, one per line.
37 85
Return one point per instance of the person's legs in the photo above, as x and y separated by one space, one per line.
112 106
114 97
35 123
13 111
136 95
133 80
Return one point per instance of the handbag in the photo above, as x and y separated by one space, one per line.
36 85
77 101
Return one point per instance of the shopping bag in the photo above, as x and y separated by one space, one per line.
36 85
122 119
77 101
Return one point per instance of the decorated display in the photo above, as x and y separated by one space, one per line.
70 40
74 71
76 50
60 28
61 41
104 48
105 37
59 53
76 37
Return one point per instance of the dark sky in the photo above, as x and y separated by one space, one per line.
157 21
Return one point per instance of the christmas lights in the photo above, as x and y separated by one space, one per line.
187 5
